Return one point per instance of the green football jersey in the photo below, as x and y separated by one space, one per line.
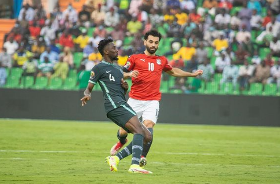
109 78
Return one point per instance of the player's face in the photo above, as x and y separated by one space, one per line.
112 51
151 44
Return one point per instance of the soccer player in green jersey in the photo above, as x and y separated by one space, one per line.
110 77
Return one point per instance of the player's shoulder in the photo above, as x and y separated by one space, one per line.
137 56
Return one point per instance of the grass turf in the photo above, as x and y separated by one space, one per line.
74 152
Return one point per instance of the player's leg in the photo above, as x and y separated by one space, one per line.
122 134
150 116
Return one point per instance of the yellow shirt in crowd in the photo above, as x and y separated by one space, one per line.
182 18
82 41
186 53
220 44
95 56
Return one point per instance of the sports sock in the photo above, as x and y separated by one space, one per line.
147 146
121 139
135 148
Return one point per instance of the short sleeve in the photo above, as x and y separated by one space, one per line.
94 75
130 63
167 66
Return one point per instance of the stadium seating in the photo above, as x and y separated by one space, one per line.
69 84
27 82
16 72
270 89
40 83
255 89
12 82
78 56
55 83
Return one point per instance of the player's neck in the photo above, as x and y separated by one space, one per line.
108 60
149 54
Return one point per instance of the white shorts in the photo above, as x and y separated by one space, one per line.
147 109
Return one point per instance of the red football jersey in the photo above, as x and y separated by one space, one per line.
146 85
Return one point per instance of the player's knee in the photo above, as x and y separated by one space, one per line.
122 132
148 137
149 123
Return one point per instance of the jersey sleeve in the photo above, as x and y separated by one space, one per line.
167 66
94 75
129 64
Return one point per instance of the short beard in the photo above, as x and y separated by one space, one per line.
151 52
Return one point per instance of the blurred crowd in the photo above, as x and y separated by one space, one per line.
235 38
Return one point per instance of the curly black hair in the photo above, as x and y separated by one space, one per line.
102 44
154 33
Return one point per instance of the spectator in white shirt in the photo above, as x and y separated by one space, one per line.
256 21
243 34
111 18
275 47
221 62
245 72
29 13
11 46
222 18
275 26
275 75
230 74
187 5
235 21
71 12
256 59
48 32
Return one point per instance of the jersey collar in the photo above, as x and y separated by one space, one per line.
105 62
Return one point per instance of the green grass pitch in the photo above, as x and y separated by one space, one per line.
36 151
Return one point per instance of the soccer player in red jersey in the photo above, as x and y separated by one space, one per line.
145 95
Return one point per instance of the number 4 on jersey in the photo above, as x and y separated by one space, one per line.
111 77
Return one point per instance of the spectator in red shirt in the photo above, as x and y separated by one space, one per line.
196 18
15 35
66 39
101 31
34 30
226 4
267 18
268 60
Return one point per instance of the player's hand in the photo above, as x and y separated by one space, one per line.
124 84
134 74
198 73
85 99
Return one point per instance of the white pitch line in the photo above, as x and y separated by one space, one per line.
164 153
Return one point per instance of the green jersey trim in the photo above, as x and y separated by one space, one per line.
107 93
106 62
128 109
91 82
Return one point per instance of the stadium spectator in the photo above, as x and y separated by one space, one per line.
275 27
182 17
89 48
134 7
207 22
15 34
5 58
68 57
11 46
21 56
201 53
210 5
260 74
254 5
275 75
173 4
179 81
111 18
84 17
117 33
256 21
264 39
229 53
71 13
82 40
34 30
30 67
23 22
66 40
53 47
191 65
100 31
40 12
195 17
95 39
28 11
186 53
98 16
220 43
267 18
268 60
243 34
245 15
93 4
187 5
61 69
156 19
226 4
51 55
230 74
248 46
235 21
245 73
208 71
241 55
45 68
142 16
38 47
147 5
48 32
133 26
275 47
3 75
222 18
221 62
256 59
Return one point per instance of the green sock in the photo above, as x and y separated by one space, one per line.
147 146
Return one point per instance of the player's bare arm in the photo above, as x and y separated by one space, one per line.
177 72
124 85
131 74
87 94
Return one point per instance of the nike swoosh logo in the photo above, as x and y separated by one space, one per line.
108 71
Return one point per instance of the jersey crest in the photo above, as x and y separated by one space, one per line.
158 61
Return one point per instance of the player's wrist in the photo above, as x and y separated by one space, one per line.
87 94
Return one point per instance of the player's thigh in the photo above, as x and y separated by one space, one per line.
137 106
121 116
151 111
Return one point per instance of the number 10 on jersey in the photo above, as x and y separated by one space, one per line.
151 66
